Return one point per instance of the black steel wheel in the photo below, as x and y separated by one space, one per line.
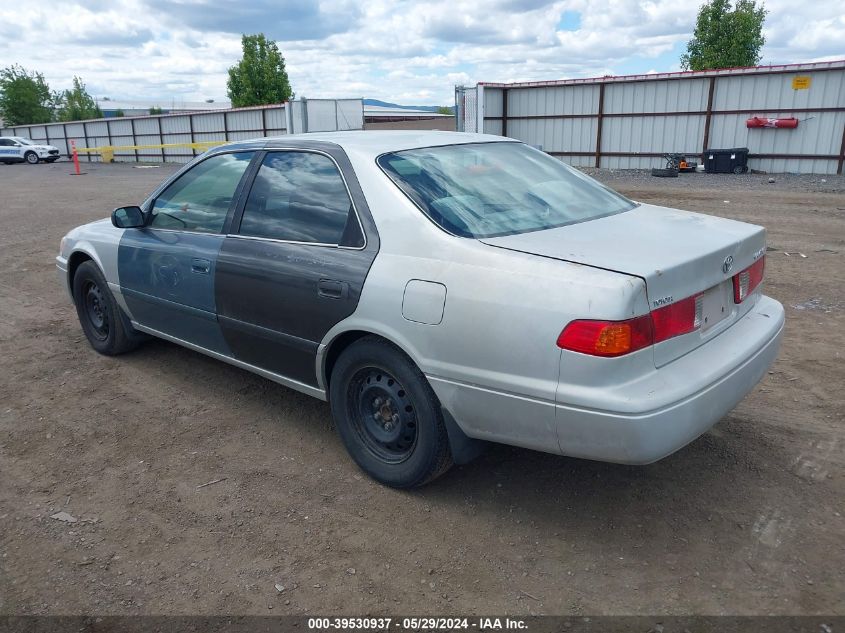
95 309
105 326
383 414
387 415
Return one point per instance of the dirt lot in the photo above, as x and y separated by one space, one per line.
746 520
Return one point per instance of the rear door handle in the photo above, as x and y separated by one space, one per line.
332 289
200 266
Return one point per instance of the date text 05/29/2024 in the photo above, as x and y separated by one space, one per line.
417 623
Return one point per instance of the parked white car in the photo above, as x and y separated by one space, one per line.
16 149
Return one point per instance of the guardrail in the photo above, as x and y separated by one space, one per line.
106 152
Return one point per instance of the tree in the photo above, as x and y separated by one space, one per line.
725 37
445 110
24 97
260 77
155 110
119 112
76 104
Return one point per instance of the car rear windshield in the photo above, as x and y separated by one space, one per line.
483 190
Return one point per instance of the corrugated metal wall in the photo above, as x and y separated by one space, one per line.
629 122
237 124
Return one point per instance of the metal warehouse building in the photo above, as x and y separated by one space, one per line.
628 122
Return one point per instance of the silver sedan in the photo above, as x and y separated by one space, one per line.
440 290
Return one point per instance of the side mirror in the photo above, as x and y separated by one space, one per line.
128 217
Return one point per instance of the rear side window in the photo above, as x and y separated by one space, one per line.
199 200
297 197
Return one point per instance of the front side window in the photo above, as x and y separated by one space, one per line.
23 141
199 200
483 190
297 197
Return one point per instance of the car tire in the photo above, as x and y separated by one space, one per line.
664 173
31 158
387 415
102 320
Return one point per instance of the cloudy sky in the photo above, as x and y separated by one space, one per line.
405 51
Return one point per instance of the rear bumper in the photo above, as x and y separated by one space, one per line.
738 358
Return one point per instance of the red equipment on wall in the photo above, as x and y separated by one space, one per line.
757 121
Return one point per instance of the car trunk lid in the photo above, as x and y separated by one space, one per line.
677 253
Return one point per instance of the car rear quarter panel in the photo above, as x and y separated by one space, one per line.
493 359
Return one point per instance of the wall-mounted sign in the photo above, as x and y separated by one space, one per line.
801 82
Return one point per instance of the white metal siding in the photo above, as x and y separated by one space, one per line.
686 95
249 120
656 134
493 102
120 127
38 133
176 124
350 114
563 117
322 116
827 89
185 128
494 126
276 120
146 126
556 135
557 100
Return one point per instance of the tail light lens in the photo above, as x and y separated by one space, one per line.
615 338
681 317
607 338
747 281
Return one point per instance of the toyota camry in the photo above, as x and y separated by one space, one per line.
439 290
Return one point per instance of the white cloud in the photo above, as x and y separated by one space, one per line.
410 51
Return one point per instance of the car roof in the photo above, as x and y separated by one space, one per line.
372 142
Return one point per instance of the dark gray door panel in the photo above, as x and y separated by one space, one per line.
276 301
167 278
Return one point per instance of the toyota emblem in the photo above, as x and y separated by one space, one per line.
728 264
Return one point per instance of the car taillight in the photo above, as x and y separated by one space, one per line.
681 317
615 338
747 281
607 338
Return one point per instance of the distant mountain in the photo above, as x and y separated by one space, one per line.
385 104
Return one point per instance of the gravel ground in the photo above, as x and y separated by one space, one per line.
748 519
801 183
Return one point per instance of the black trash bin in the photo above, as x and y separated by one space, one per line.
726 161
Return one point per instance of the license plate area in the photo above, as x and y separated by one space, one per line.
716 305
